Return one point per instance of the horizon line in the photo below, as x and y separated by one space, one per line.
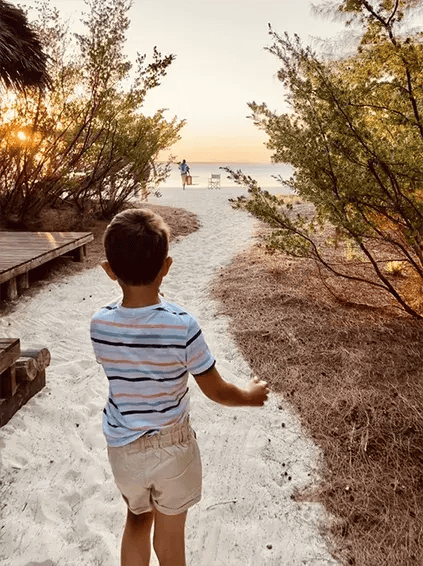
232 162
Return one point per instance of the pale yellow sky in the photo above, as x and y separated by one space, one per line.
220 66
225 146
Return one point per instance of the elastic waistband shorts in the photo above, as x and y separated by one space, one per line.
159 471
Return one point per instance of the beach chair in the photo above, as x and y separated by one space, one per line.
214 181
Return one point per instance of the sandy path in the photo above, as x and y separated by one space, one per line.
58 503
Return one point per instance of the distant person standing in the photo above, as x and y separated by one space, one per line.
184 168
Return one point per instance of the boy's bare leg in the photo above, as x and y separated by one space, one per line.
169 539
136 543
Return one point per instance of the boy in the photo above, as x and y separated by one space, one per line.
147 346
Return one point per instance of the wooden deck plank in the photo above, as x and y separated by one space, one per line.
22 251
10 349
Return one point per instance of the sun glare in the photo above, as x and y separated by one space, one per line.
21 135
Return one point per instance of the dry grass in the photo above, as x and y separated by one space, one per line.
180 221
354 373
290 199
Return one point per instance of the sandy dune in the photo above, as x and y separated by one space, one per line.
58 503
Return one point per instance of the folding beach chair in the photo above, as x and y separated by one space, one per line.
214 181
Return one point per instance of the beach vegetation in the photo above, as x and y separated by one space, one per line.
85 142
354 135
353 375
312 318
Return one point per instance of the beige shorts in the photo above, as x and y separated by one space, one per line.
160 471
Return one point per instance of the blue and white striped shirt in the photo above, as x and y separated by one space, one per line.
146 354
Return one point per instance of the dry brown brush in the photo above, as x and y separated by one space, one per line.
354 373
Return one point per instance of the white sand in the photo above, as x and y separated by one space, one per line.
58 503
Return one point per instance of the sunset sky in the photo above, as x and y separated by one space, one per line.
220 66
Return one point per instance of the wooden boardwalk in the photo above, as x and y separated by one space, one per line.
22 251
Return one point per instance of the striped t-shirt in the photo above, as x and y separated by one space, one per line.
146 354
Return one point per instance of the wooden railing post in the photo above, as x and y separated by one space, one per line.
12 289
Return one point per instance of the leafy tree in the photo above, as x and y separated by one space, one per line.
354 135
85 141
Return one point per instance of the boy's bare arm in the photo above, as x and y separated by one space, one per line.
217 389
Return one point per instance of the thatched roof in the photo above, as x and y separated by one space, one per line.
22 60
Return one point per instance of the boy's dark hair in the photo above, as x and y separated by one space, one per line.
136 243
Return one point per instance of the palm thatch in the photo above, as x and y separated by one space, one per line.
23 64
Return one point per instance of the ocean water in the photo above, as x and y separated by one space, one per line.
263 173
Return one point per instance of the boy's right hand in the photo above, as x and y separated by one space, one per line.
257 392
